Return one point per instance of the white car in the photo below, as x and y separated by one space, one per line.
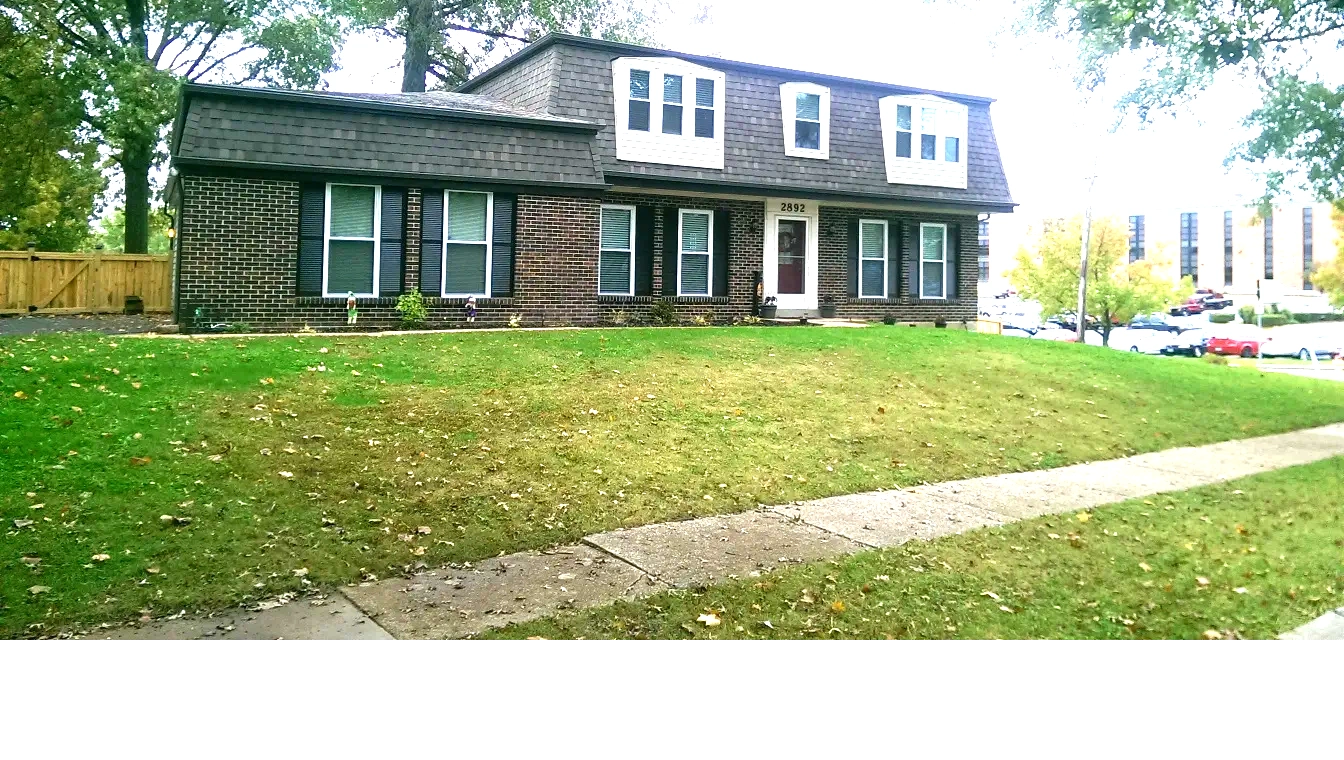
1278 342
1140 341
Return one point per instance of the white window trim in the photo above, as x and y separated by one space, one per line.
489 244
655 146
601 250
681 252
663 103
914 170
788 104
885 257
922 261
377 239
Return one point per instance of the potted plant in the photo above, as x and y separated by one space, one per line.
769 308
828 307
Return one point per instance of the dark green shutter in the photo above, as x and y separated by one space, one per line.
312 230
953 258
913 260
671 246
431 243
893 258
852 258
501 265
722 244
390 248
644 251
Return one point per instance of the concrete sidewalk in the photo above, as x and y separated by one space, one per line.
628 564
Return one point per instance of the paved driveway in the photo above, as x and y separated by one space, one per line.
112 324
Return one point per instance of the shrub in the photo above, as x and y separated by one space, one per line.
662 312
1215 359
515 320
890 319
1273 320
1323 317
1247 314
618 317
411 306
1221 319
706 319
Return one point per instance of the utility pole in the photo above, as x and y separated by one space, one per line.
1082 268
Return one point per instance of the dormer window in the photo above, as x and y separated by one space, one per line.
806 112
671 104
923 138
639 100
684 92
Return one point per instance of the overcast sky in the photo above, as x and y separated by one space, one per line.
1048 132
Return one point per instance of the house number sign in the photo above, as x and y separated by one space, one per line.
793 208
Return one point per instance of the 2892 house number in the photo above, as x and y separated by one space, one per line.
793 208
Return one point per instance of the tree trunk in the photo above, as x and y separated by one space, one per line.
421 26
135 161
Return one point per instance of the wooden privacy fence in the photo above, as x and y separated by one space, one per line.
70 283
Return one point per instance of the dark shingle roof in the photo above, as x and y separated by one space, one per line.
446 136
578 71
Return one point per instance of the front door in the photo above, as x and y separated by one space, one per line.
790 260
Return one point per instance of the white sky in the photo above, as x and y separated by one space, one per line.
1048 134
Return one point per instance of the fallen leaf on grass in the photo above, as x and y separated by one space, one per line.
1005 608
1241 590
286 474
837 606
22 523
1144 566
565 576
35 590
1083 517
101 557
768 624
1212 635
1201 580
301 572
424 530
709 619
990 594
140 461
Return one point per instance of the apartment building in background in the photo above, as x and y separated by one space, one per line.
1230 250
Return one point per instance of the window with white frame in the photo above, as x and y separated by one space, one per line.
685 128
672 109
639 101
806 114
350 249
872 258
924 140
932 260
696 252
466 243
616 259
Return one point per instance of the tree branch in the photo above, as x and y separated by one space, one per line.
222 59
484 32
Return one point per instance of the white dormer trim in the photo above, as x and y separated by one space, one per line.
788 100
951 120
654 145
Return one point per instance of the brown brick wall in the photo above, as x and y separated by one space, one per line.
239 248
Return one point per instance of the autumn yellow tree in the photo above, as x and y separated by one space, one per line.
1328 277
1117 290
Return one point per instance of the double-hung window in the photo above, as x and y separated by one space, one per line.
696 252
904 130
671 104
616 259
704 107
805 110
872 258
807 121
639 100
932 260
351 244
928 138
466 244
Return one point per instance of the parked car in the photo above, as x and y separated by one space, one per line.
1213 301
1153 322
1054 331
1192 305
1187 343
1235 340
1295 343
1140 341
1017 332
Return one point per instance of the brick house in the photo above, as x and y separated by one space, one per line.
579 182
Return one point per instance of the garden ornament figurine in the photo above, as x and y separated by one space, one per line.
351 313
471 308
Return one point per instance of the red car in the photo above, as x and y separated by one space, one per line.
1233 342
1193 305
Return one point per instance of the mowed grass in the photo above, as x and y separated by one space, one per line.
210 471
1246 559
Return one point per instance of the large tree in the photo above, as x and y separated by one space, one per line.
445 39
49 173
135 53
1184 44
1117 290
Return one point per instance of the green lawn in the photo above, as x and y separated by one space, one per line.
1251 558
361 457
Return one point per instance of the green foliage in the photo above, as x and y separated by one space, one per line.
111 233
1328 316
412 308
1328 277
1221 319
1116 289
1247 314
49 175
1183 45
663 312
1274 320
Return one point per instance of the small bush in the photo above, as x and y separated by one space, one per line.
663 312
1218 359
1247 314
515 320
889 320
706 319
1325 317
1221 319
618 317
411 306
1273 320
